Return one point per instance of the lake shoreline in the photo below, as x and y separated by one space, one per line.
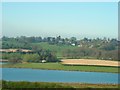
18 84
59 70
58 66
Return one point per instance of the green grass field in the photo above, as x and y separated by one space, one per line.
55 48
23 84
58 66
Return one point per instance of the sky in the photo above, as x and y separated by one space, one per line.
60 0
78 19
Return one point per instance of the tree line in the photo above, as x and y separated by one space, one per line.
35 56
84 48
90 53
25 42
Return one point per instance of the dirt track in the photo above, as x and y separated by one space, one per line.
90 62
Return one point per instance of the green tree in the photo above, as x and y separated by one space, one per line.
15 58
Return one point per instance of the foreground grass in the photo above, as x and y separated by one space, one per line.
23 84
58 66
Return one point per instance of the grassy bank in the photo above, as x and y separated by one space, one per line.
58 66
23 84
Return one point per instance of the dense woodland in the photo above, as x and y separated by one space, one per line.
52 48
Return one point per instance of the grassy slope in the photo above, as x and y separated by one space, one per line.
23 84
58 66
55 48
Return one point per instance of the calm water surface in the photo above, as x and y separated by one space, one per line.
17 74
3 62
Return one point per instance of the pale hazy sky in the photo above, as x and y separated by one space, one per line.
80 19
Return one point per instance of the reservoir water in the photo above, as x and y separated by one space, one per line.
17 74
3 63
